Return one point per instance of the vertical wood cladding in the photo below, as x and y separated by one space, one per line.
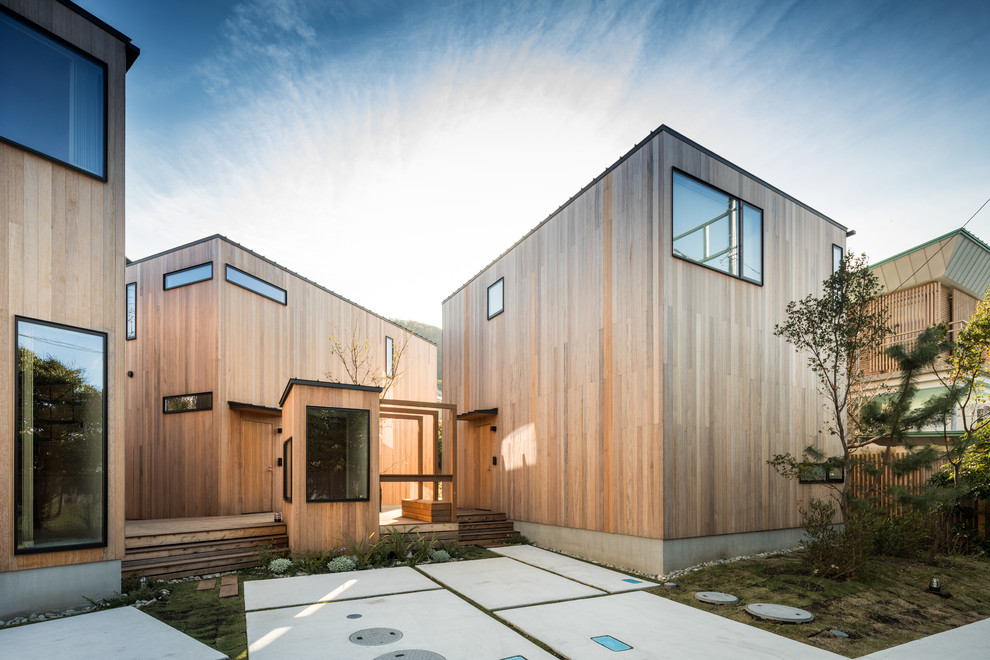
638 393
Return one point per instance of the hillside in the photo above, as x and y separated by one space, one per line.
431 332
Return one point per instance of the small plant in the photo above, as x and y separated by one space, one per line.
279 566
363 550
342 564
421 548
396 545
450 546
439 556
516 539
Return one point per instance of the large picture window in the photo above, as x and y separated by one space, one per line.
60 444
717 230
54 98
338 454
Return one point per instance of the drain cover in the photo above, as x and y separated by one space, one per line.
781 613
376 636
353 616
716 598
411 654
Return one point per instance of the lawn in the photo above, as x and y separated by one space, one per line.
888 606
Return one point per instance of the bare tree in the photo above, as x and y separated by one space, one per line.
362 364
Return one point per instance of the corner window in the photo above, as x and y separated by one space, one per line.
257 285
188 402
338 454
389 357
717 230
54 98
495 306
131 310
287 470
60 445
178 278
836 258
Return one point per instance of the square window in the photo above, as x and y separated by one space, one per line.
495 305
338 454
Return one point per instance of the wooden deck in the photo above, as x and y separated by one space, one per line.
179 547
473 526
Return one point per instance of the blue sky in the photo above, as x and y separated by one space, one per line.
389 150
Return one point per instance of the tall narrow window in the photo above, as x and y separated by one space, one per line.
717 230
338 454
54 97
836 258
132 310
178 278
287 470
60 446
389 357
495 302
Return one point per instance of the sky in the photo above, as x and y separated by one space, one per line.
389 150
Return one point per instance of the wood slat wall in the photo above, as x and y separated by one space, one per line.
62 260
638 393
218 337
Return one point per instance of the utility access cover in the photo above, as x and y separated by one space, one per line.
411 654
716 598
376 636
781 613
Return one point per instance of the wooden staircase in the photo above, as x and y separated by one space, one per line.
166 549
483 528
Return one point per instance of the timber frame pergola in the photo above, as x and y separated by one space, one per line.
418 410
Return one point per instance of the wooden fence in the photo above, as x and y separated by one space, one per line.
862 483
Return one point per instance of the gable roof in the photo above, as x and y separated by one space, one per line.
958 259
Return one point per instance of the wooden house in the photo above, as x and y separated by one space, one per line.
215 333
61 300
940 281
620 382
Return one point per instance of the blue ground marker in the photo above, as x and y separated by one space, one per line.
611 643
515 657
632 581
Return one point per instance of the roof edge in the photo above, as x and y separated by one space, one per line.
322 383
954 232
663 128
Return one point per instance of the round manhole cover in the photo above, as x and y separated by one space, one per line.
411 654
781 613
376 636
716 598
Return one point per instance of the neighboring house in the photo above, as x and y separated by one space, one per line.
215 333
620 384
940 281
61 300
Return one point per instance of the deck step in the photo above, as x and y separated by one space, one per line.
484 528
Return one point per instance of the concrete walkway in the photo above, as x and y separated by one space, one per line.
459 610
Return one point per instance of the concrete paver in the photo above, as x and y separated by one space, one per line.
504 582
436 621
303 590
654 627
575 569
969 641
120 634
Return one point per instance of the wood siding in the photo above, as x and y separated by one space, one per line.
218 337
62 260
638 393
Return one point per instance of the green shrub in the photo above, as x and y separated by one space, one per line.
342 564
515 539
439 556
279 566
828 550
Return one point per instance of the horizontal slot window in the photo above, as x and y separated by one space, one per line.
189 402
178 278
54 98
257 285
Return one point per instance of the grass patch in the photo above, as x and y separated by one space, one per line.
887 606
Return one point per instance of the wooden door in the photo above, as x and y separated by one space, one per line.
483 438
258 472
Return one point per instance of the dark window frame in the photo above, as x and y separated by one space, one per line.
165 399
287 470
389 356
103 176
229 267
368 456
739 227
166 287
103 543
130 335
488 298
820 473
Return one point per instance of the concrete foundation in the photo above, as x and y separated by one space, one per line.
656 556
57 587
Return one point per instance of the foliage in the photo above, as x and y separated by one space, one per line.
828 550
279 566
833 330
363 549
342 564
363 365
439 556
515 539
